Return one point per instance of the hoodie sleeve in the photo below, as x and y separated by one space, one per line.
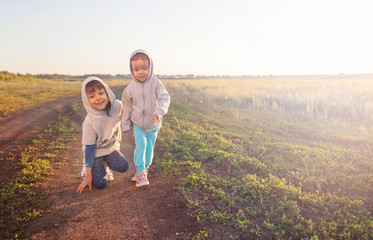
163 100
89 136
89 155
127 109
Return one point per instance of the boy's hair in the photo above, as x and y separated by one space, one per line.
142 56
95 85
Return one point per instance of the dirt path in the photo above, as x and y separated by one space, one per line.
120 211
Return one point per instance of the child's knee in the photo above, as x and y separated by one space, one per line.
100 184
117 162
123 167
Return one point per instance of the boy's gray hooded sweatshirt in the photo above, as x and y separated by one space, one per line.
99 128
142 100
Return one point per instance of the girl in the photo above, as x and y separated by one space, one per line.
101 133
145 102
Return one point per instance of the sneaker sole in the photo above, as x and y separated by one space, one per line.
143 184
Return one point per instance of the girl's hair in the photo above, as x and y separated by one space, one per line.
142 56
95 85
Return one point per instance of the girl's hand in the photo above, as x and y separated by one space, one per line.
155 118
85 182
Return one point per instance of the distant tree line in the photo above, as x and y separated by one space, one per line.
77 77
7 76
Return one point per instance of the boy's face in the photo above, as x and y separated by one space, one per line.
98 99
140 69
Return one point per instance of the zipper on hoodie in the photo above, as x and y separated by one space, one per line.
143 105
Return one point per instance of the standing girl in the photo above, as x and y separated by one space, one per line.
101 133
145 101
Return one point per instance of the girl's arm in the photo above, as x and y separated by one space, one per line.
89 157
87 181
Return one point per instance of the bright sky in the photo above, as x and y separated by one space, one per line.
203 37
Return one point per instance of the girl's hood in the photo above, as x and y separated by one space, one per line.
90 110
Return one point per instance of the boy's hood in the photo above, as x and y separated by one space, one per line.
90 110
151 74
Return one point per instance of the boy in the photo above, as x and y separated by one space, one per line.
145 101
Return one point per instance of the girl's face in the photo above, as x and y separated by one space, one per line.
98 99
140 69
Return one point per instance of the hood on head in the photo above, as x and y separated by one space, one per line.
87 105
150 63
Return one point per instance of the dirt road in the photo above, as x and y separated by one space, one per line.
120 211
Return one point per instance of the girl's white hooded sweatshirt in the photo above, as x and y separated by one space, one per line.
142 100
99 128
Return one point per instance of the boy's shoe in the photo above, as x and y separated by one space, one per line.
137 174
109 174
142 180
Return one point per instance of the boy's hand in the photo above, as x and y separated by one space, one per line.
155 118
127 132
85 182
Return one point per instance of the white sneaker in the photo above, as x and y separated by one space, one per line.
109 174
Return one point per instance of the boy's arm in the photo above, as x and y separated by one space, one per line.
163 100
127 109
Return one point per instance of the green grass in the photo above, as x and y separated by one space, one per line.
21 201
269 174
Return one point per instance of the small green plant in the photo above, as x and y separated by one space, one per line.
203 234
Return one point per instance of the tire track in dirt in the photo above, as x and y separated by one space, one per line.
21 126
